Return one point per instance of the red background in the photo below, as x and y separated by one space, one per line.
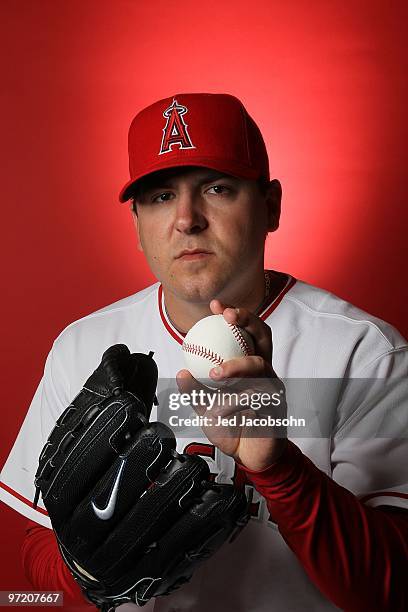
326 82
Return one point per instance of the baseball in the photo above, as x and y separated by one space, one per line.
210 342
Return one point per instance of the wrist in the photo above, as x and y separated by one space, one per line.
260 465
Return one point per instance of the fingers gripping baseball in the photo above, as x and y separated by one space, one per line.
216 345
254 326
251 374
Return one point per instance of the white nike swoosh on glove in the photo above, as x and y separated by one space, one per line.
107 512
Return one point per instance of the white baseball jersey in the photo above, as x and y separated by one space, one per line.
316 336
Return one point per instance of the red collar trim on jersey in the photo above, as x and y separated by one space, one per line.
177 335
268 309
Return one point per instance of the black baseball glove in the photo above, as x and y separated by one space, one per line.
132 517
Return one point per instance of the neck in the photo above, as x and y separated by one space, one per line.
184 314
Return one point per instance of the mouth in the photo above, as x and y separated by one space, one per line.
193 254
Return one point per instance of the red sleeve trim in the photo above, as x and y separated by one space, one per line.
22 499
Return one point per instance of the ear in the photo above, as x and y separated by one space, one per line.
133 212
273 202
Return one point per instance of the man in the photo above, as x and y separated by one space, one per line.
329 509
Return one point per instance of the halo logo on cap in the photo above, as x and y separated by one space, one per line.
175 131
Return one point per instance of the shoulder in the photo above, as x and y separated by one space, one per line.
121 321
317 333
136 299
319 308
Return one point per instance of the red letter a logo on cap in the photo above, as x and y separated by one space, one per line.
175 131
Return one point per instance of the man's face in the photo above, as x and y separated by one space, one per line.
202 232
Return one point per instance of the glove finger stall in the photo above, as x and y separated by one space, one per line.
221 512
155 512
65 476
118 490
119 369
169 561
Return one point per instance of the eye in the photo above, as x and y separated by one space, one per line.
219 190
165 196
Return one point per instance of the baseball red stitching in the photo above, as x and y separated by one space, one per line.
201 351
246 349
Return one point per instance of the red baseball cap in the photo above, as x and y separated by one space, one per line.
195 129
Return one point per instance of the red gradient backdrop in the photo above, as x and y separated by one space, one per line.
326 82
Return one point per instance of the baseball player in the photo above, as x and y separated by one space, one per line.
329 519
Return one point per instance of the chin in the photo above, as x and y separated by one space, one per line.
197 289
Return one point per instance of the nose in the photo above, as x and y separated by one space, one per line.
190 216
